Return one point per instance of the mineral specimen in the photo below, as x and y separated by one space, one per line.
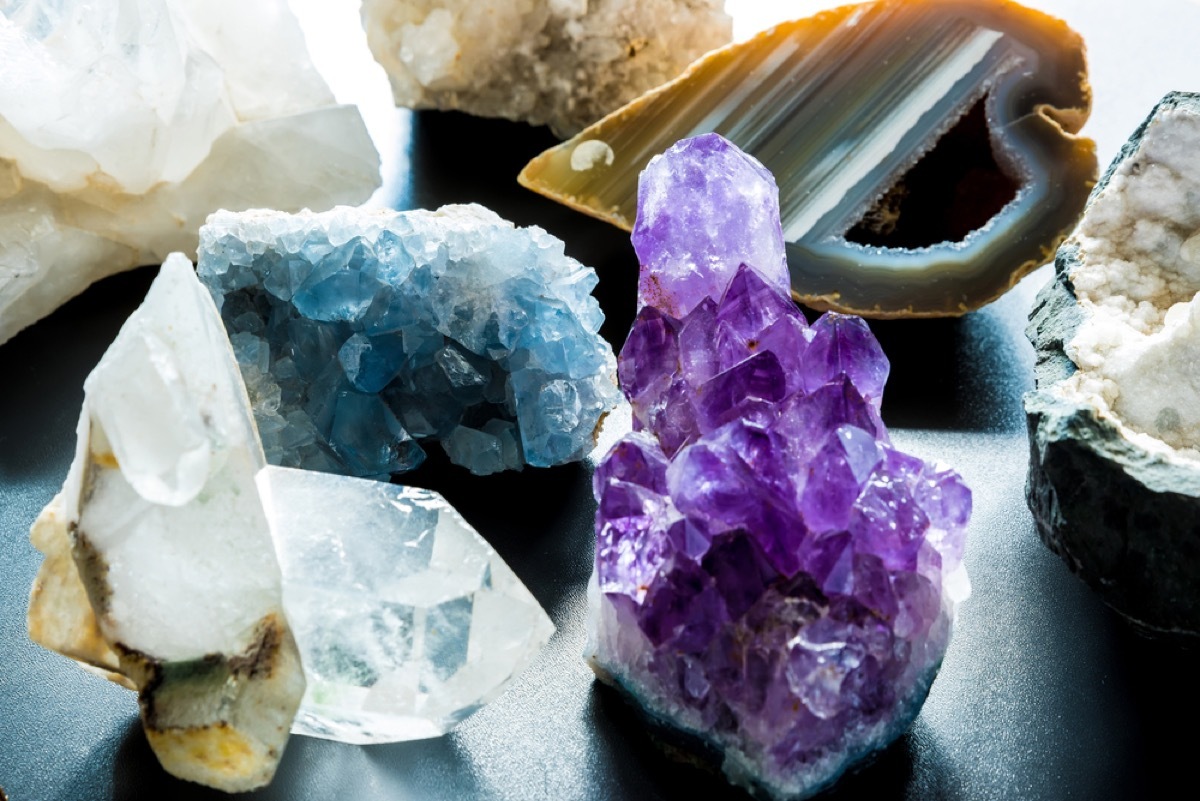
1114 479
172 552
179 564
407 621
360 333
924 148
123 124
565 63
772 577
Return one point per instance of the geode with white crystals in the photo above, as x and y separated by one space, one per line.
171 547
362 334
565 63
1114 479
773 578
124 124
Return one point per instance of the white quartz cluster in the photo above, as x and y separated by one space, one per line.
565 63
123 124
178 564
1137 276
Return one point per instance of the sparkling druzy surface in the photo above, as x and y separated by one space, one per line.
924 149
123 124
772 576
362 333
1114 426
562 63
406 619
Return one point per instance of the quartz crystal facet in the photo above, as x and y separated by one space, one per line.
565 63
1114 480
407 620
362 333
124 124
924 149
772 577
171 579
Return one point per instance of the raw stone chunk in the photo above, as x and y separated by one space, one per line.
925 149
362 333
174 584
406 618
123 124
773 579
1114 426
565 63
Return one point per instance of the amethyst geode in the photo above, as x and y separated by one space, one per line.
772 577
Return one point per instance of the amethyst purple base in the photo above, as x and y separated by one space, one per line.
624 659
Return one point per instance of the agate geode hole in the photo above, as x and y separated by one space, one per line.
775 583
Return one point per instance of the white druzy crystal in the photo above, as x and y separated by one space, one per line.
172 545
1137 276
565 63
406 618
123 124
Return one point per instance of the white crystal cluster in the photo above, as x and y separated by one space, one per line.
123 124
178 564
406 618
565 63
1138 278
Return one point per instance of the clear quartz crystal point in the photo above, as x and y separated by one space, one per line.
407 620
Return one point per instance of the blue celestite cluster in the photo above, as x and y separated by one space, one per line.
361 334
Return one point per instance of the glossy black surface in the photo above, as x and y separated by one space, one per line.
1044 694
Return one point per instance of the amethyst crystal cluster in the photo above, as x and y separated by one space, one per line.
772 576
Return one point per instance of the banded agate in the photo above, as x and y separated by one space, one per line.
925 151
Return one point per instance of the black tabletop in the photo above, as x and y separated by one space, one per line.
1044 693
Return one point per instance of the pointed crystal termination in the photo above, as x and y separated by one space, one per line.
126 124
925 151
546 62
364 333
406 618
171 580
772 577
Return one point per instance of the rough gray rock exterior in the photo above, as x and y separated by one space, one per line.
1125 520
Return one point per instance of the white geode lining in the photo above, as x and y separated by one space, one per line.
1138 279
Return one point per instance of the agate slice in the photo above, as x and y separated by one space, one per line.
362 334
1114 479
775 583
172 553
565 63
124 124
925 151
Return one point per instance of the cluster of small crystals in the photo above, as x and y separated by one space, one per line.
360 333
773 572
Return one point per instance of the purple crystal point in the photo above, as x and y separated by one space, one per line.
705 208
771 574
